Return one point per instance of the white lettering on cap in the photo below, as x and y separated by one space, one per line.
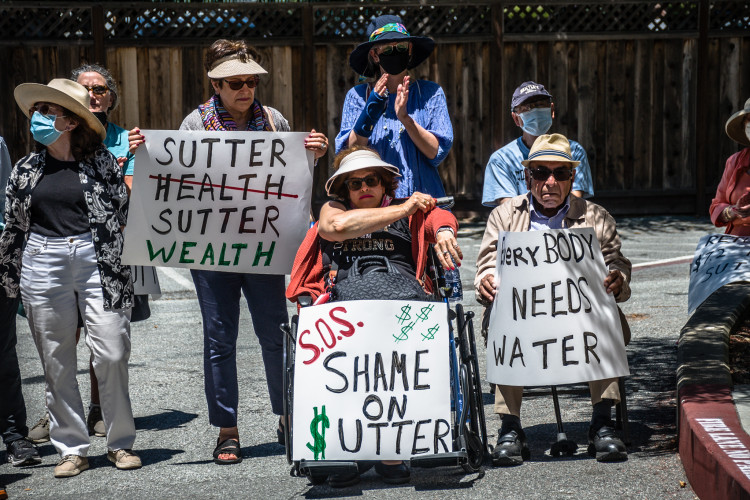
529 88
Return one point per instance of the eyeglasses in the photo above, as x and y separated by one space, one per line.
354 183
543 173
528 106
399 47
97 89
46 108
238 84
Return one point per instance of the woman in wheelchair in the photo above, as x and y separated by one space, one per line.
364 219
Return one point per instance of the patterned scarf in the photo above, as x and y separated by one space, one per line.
216 117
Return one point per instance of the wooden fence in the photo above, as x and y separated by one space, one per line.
645 87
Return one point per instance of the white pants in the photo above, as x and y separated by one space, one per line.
59 277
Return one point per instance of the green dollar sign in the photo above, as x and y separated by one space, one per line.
405 316
404 332
424 313
430 333
319 438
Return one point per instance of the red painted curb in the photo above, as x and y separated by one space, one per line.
714 449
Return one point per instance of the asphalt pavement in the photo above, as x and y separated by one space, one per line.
175 439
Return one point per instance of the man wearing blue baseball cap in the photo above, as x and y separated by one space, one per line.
532 109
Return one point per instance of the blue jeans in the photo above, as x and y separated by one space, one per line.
219 299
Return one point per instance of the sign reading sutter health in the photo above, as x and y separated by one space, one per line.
719 259
226 201
552 320
371 381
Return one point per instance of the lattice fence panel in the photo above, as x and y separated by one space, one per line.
730 16
41 23
350 22
600 18
206 21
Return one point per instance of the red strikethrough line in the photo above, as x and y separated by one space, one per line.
227 187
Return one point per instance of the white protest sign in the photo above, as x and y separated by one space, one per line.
719 259
552 320
371 381
145 281
225 201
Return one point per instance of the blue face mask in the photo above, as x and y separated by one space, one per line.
43 128
537 121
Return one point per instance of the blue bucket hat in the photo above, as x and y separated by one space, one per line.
385 29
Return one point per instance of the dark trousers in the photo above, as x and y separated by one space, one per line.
12 406
219 299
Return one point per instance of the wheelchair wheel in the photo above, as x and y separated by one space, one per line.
288 383
476 432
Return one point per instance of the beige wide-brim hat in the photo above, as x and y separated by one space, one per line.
61 91
551 147
358 160
735 125
232 66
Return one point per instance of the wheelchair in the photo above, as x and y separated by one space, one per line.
468 428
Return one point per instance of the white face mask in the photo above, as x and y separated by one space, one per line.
747 130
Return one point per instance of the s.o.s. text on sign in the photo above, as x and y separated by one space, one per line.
371 381
552 320
226 201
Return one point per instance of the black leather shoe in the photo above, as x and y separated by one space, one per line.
606 446
511 449
343 479
393 474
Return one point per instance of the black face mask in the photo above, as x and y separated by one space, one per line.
101 115
394 63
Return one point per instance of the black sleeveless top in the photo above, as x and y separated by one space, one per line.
393 241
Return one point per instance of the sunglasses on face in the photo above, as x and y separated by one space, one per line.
390 49
48 109
543 173
238 84
99 90
355 183
528 106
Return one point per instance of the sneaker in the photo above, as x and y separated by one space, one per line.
124 459
40 432
22 452
71 465
95 422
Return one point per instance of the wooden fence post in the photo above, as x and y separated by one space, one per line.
701 113
308 66
97 30
496 78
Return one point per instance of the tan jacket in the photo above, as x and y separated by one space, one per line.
513 215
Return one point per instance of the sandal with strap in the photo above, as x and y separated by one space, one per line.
228 447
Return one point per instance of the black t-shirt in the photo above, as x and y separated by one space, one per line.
393 241
58 206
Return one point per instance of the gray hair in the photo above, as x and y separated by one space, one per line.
108 79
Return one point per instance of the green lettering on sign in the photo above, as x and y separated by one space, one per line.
165 258
185 250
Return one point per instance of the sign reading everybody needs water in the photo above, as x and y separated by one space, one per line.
719 259
225 201
371 381
552 320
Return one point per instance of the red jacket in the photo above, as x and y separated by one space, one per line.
307 271
737 164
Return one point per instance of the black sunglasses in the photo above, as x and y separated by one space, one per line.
238 84
355 183
45 108
97 89
543 173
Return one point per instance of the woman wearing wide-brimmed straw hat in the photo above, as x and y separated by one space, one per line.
66 207
406 121
234 71
731 205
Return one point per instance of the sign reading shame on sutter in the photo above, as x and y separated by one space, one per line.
371 381
225 201
719 259
552 320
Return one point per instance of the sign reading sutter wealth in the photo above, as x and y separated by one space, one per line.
371 381
719 259
226 201
552 320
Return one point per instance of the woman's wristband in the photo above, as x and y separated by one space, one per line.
445 228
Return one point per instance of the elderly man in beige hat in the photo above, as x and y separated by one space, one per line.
548 205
